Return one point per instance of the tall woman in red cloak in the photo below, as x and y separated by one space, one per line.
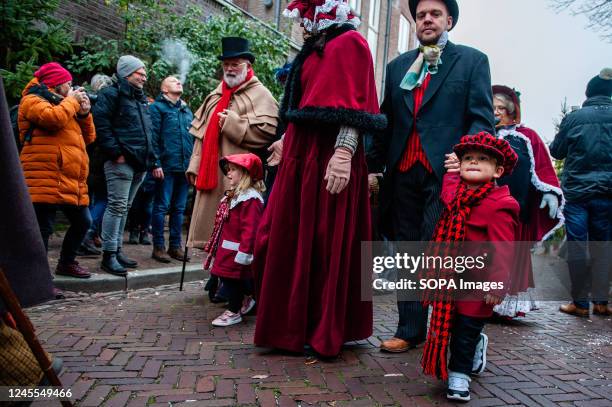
308 248
534 184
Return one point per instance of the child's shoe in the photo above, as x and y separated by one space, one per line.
480 356
227 318
247 304
458 386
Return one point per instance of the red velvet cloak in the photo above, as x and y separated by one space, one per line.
308 247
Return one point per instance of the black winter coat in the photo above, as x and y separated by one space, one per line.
585 142
123 125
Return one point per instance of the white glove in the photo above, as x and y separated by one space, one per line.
552 202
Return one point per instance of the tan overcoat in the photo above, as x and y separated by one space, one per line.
250 126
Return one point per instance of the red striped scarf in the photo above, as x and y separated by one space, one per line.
209 163
450 228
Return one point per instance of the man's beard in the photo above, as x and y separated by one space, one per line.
233 81
433 41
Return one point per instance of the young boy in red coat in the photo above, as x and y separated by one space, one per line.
230 247
476 210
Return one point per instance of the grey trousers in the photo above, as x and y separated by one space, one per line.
122 183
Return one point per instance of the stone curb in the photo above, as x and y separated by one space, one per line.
134 280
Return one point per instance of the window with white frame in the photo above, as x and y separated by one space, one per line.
373 26
403 38
355 6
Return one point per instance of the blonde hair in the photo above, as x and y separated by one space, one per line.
247 182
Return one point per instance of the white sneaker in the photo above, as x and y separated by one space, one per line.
247 305
458 386
480 356
227 318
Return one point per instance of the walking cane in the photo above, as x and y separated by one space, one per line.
24 326
187 239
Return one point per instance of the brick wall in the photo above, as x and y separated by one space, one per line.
91 18
95 17
398 7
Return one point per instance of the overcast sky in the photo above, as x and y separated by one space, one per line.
546 56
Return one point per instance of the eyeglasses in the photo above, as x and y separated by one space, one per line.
500 109
232 65
142 75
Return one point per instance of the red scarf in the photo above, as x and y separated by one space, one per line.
209 164
450 228
221 217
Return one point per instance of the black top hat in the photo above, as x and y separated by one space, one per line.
235 47
453 9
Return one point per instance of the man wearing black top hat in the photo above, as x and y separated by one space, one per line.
433 95
239 116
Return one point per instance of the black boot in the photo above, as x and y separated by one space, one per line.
133 239
126 261
87 248
111 265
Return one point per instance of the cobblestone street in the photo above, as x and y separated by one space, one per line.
156 346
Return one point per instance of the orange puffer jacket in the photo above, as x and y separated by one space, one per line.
55 162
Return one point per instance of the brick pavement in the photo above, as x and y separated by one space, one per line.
156 346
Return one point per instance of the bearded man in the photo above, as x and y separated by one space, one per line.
239 116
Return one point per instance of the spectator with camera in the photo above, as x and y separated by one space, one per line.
55 125
123 124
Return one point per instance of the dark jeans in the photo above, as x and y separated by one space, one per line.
170 198
589 231
79 219
141 212
97 208
416 207
464 338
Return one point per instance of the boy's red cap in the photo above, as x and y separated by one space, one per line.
497 147
248 161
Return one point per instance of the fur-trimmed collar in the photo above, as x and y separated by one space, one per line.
250 193
289 108
537 183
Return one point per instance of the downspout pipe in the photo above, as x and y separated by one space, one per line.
386 47
277 14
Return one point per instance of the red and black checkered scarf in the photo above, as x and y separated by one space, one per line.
221 217
450 228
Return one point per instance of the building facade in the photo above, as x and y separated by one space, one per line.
386 24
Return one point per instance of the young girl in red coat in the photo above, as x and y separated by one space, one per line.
230 247
476 210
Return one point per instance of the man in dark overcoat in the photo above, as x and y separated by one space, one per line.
433 95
